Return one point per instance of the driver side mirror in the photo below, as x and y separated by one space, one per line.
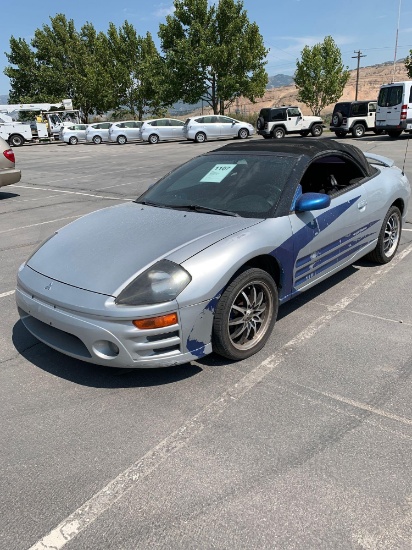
312 201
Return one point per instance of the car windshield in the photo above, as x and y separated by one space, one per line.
239 184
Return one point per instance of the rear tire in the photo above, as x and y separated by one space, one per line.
260 123
16 140
245 315
337 119
279 133
389 237
121 140
358 131
97 140
200 137
73 140
153 139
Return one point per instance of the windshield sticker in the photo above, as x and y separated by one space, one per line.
218 173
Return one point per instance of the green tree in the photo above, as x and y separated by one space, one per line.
213 53
136 71
320 76
61 63
408 64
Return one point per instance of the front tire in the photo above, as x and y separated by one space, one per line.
153 139
200 137
316 130
389 237
358 131
243 133
245 315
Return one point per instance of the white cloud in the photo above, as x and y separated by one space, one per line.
164 10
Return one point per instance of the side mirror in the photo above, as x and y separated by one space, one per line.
312 201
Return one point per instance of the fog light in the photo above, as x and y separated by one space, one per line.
104 348
156 322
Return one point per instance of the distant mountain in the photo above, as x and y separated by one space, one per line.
279 80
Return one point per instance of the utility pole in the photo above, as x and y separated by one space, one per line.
357 56
396 41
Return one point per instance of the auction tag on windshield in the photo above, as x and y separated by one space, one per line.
218 173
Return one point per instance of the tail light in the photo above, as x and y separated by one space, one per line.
404 110
9 155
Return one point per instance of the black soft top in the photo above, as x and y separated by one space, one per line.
306 147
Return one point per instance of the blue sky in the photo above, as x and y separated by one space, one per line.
286 25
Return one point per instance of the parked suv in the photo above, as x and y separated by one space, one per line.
356 117
276 122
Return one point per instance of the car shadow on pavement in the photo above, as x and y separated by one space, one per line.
88 374
4 196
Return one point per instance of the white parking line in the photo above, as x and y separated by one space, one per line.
40 223
101 501
9 293
72 192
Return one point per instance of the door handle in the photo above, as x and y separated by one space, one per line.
362 204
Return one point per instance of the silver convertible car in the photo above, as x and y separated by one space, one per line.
201 261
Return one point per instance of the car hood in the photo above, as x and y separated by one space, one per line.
102 251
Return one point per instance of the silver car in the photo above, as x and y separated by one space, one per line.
166 129
98 132
127 130
201 260
201 128
73 134
8 173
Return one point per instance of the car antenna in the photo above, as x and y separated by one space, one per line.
406 152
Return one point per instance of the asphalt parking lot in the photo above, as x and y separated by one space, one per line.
306 445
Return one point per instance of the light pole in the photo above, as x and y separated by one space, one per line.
396 41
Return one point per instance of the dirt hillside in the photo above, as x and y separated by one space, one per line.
370 80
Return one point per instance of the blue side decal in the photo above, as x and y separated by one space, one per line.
287 253
195 346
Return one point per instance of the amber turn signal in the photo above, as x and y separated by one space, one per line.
156 322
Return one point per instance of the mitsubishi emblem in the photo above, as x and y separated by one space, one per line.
48 287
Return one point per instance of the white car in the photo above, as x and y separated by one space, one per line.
73 134
161 129
8 173
124 131
201 128
98 132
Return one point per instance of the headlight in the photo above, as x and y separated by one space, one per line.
162 282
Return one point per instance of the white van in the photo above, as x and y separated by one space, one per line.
394 109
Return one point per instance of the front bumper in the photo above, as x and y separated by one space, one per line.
110 340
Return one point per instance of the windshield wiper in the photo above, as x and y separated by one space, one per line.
200 208
148 203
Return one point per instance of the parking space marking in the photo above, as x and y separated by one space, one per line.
406 229
72 193
9 293
104 499
40 223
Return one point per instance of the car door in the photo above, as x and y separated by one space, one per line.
228 127
165 128
132 130
294 120
80 131
326 240
177 128
389 108
211 126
